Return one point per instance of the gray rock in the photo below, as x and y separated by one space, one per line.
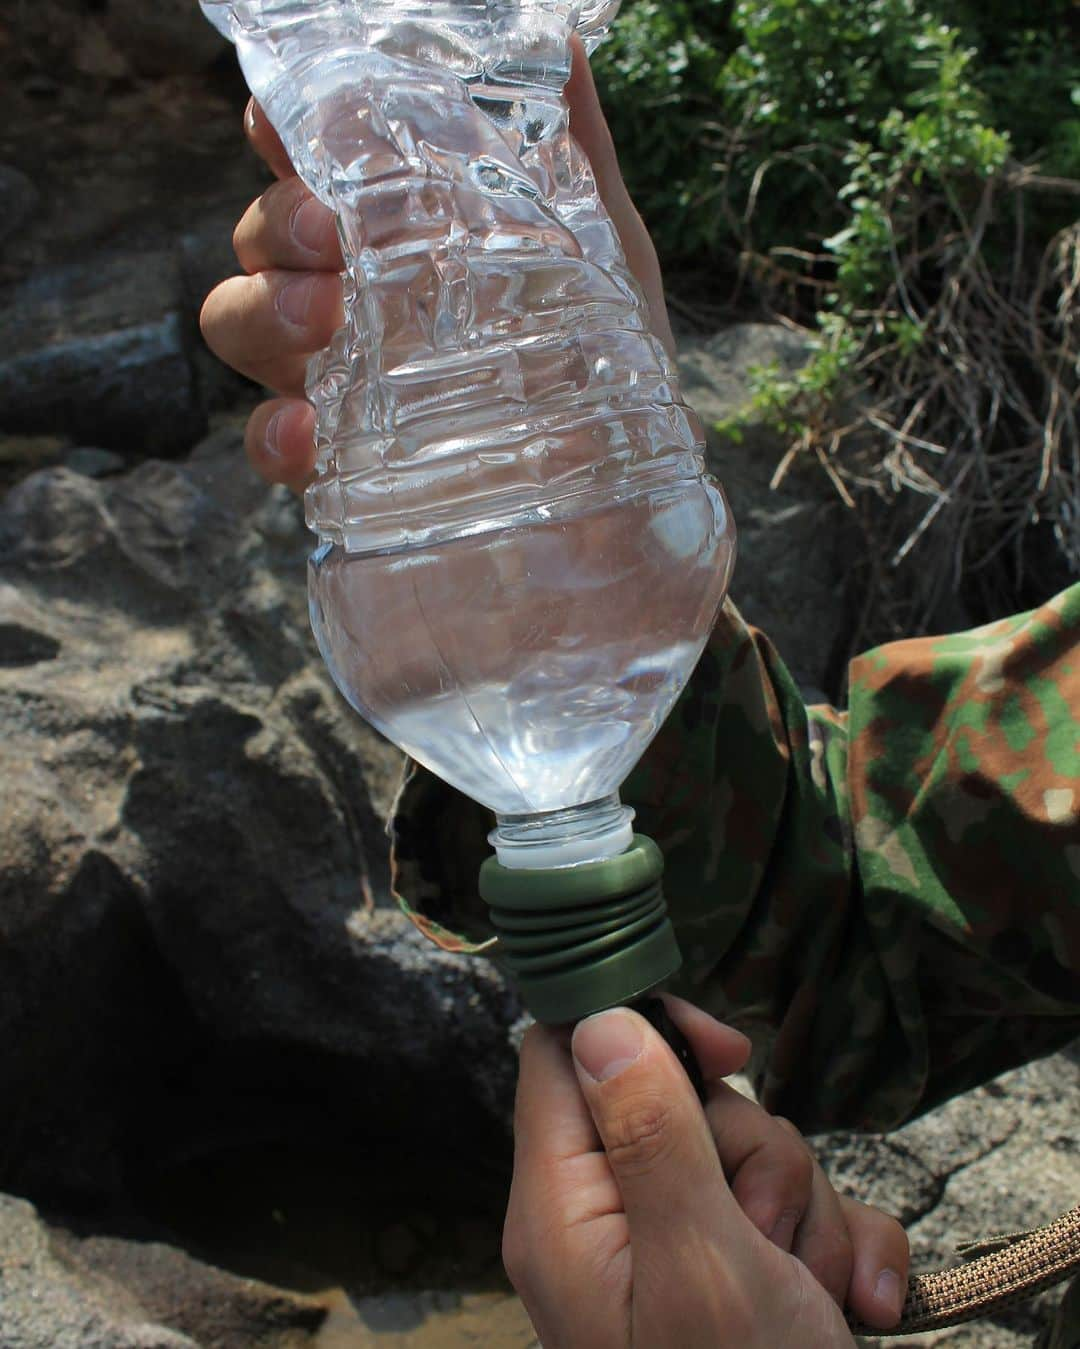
46 1303
192 855
93 463
59 1292
880 1170
168 37
1002 1158
19 199
98 350
793 541
20 455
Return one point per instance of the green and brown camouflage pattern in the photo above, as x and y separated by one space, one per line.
887 899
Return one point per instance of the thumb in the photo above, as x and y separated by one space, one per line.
655 1135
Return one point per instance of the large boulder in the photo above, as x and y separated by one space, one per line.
168 37
101 350
58 1291
19 199
195 948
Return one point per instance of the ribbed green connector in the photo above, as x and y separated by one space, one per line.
581 938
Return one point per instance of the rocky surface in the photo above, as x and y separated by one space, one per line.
122 168
64 1292
99 352
195 952
192 843
200 979
794 539
169 37
1003 1158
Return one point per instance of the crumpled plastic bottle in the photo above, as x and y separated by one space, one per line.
520 553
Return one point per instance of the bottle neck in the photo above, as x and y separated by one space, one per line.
563 838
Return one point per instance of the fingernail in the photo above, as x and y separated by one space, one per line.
309 225
889 1291
271 448
249 115
294 300
607 1043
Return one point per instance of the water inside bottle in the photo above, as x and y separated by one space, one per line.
530 672
520 554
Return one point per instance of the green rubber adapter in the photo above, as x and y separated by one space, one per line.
578 939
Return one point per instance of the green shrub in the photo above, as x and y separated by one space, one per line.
710 99
904 176
661 79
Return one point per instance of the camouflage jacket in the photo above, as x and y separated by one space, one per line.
887 898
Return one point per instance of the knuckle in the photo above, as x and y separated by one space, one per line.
831 1261
795 1164
265 229
222 312
894 1234
639 1136
782 1169
871 1228
243 242
786 1126
785 1159
211 317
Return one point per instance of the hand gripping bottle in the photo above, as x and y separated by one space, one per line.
520 555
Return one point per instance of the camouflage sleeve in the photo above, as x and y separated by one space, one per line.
888 899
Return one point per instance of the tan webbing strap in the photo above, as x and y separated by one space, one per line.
1014 1267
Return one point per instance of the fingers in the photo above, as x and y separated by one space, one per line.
266 326
882 1263
698 1267
781 1188
771 1174
266 142
655 1137
589 128
551 1119
778 1184
701 1275
720 1050
560 1178
768 1165
822 1240
565 1234
288 228
279 441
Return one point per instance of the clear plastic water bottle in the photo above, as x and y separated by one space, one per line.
520 553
